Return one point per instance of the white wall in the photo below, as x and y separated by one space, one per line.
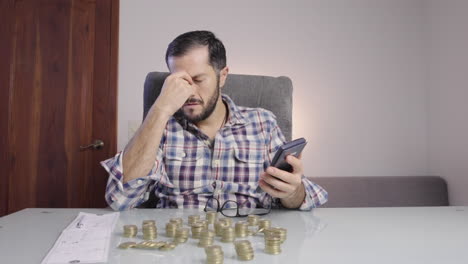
448 95
357 69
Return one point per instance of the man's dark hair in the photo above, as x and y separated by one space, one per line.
193 39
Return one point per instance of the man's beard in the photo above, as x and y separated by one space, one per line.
207 110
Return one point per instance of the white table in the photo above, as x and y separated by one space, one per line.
354 235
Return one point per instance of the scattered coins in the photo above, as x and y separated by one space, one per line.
126 245
168 246
214 255
206 238
130 230
244 250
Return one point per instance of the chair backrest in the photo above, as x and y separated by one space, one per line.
384 191
271 93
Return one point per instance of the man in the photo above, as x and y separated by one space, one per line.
196 145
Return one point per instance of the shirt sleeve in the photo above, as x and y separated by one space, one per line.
123 196
315 194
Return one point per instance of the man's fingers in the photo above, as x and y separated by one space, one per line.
269 189
277 184
295 163
280 174
184 75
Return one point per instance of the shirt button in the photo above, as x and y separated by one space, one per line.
216 162
183 155
139 182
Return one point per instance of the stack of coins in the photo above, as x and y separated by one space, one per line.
280 232
181 235
252 220
227 234
197 228
214 255
211 217
130 230
272 244
244 250
219 225
192 219
171 228
178 221
263 224
205 223
241 229
227 220
206 238
150 232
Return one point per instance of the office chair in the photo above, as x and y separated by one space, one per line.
271 93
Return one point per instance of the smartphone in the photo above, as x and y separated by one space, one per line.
294 148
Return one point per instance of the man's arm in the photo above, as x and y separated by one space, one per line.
140 152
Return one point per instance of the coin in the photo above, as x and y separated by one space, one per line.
126 245
168 246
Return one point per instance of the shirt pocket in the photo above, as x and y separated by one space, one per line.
184 167
249 160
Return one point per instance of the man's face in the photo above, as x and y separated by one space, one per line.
205 80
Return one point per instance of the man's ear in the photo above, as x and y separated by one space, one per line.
223 75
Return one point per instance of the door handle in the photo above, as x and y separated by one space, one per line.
97 144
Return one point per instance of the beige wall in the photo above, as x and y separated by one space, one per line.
447 82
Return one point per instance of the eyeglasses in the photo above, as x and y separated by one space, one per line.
232 208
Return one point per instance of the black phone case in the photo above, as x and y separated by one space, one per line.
294 148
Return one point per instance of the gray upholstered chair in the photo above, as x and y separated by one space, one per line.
271 93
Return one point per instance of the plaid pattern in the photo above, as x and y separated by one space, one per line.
188 170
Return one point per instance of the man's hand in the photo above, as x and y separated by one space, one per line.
285 185
177 88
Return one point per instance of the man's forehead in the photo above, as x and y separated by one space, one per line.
195 62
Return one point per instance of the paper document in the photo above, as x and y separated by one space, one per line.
85 240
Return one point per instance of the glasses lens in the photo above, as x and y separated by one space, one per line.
253 211
229 209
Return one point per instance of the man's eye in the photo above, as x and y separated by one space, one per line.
198 81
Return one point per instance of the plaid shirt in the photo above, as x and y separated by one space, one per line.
188 170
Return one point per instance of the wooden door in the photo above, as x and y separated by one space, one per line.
58 91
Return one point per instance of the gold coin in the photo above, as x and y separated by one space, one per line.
126 245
